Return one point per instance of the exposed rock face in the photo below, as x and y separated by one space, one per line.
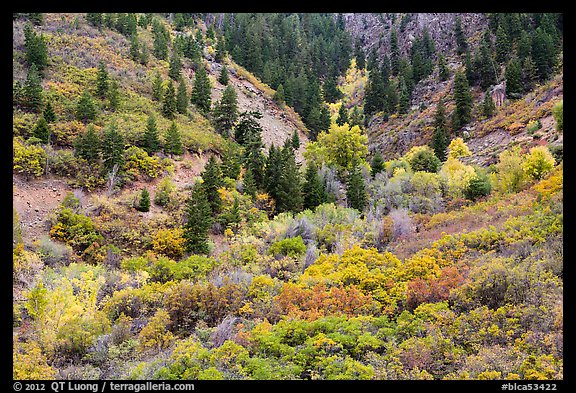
498 93
374 29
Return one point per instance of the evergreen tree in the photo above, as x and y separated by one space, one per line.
469 70
248 129
102 82
488 105
279 96
173 141
169 101
220 51
273 169
134 48
484 65
223 78
461 42
523 46
157 89
443 71
151 141
289 186
360 55
331 91
356 190
32 92
403 97
198 221
200 96
175 66
230 165
394 53
312 189
144 203
94 18
543 53
513 75
161 38
211 181
390 98
114 95
463 99
112 147
441 137
36 49
49 113
144 54
529 72
42 130
342 115
503 45
372 62
295 141
374 95
87 145
377 164
249 184
182 98
356 118
86 107
225 112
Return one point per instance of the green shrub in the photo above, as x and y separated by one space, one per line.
291 247
558 113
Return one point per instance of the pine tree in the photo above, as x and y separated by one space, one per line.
220 51
36 49
503 45
87 145
331 91
225 112
134 48
94 18
230 165
443 71
272 171
200 96
144 54
102 83
151 141
356 190
169 101
441 138
173 141
49 113
182 98
157 89
32 92
112 147
529 72
114 95
211 181
249 184
144 203
86 107
513 75
488 105
360 55
248 129
463 99
312 189
356 118
374 95
461 42
42 130
289 185
223 78
377 164
175 66
198 222
394 53
279 96
295 140
160 40
342 115
403 96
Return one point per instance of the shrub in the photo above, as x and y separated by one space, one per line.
291 247
478 186
558 113
538 162
28 160
169 242
422 158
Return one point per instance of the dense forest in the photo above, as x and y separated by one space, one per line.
227 196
